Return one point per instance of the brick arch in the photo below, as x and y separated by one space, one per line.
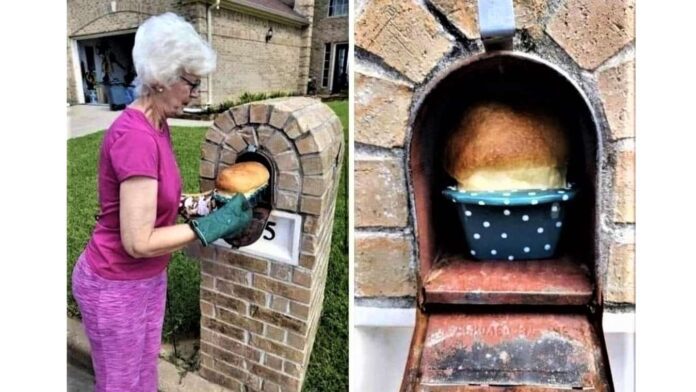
302 136
112 22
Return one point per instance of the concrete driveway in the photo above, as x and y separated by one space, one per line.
86 119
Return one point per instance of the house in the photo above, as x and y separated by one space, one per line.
329 59
263 46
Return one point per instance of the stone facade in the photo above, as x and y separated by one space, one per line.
259 317
404 45
246 62
327 29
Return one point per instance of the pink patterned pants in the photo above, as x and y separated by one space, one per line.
123 321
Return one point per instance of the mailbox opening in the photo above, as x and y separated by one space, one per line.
262 202
266 196
447 270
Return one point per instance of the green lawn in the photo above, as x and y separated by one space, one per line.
328 369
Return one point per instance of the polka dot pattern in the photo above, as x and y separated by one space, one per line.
498 226
510 197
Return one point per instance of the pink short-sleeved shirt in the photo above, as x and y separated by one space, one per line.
132 147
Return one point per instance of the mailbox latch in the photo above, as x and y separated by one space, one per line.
496 23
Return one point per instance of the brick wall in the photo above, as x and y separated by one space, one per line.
326 30
591 41
259 318
89 16
246 63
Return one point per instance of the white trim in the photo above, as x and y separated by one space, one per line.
384 317
333 60
77 75
619 322
323 66
260 11
328 10
101 35
209 28
331 65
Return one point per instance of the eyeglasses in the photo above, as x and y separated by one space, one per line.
194 86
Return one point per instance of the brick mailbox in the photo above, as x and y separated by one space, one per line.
261 304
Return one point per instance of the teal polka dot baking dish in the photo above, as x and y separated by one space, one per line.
512 225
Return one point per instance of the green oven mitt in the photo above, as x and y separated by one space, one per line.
227 220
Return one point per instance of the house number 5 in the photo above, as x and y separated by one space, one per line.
269 228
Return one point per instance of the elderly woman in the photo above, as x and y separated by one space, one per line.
120 279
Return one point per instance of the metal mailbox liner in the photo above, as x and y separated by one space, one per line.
512 225
485 325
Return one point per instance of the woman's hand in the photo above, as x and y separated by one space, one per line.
196 205
228 220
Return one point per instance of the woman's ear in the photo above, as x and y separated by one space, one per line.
157 88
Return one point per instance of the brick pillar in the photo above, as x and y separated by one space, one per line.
306 9
259 317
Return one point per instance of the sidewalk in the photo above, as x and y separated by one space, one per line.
171 378
86 119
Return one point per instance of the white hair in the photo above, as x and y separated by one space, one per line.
165 47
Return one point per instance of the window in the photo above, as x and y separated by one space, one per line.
338 7
327 65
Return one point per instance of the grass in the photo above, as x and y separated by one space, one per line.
328 368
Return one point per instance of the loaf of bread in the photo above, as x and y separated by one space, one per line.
499 147
245 177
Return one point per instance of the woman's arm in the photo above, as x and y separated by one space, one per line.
138 211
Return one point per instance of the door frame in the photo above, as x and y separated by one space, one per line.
334 58
75 56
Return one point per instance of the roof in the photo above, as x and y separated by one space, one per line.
275 10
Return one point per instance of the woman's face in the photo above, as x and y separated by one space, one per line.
175 98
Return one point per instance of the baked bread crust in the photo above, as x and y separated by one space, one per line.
496 146
244 177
